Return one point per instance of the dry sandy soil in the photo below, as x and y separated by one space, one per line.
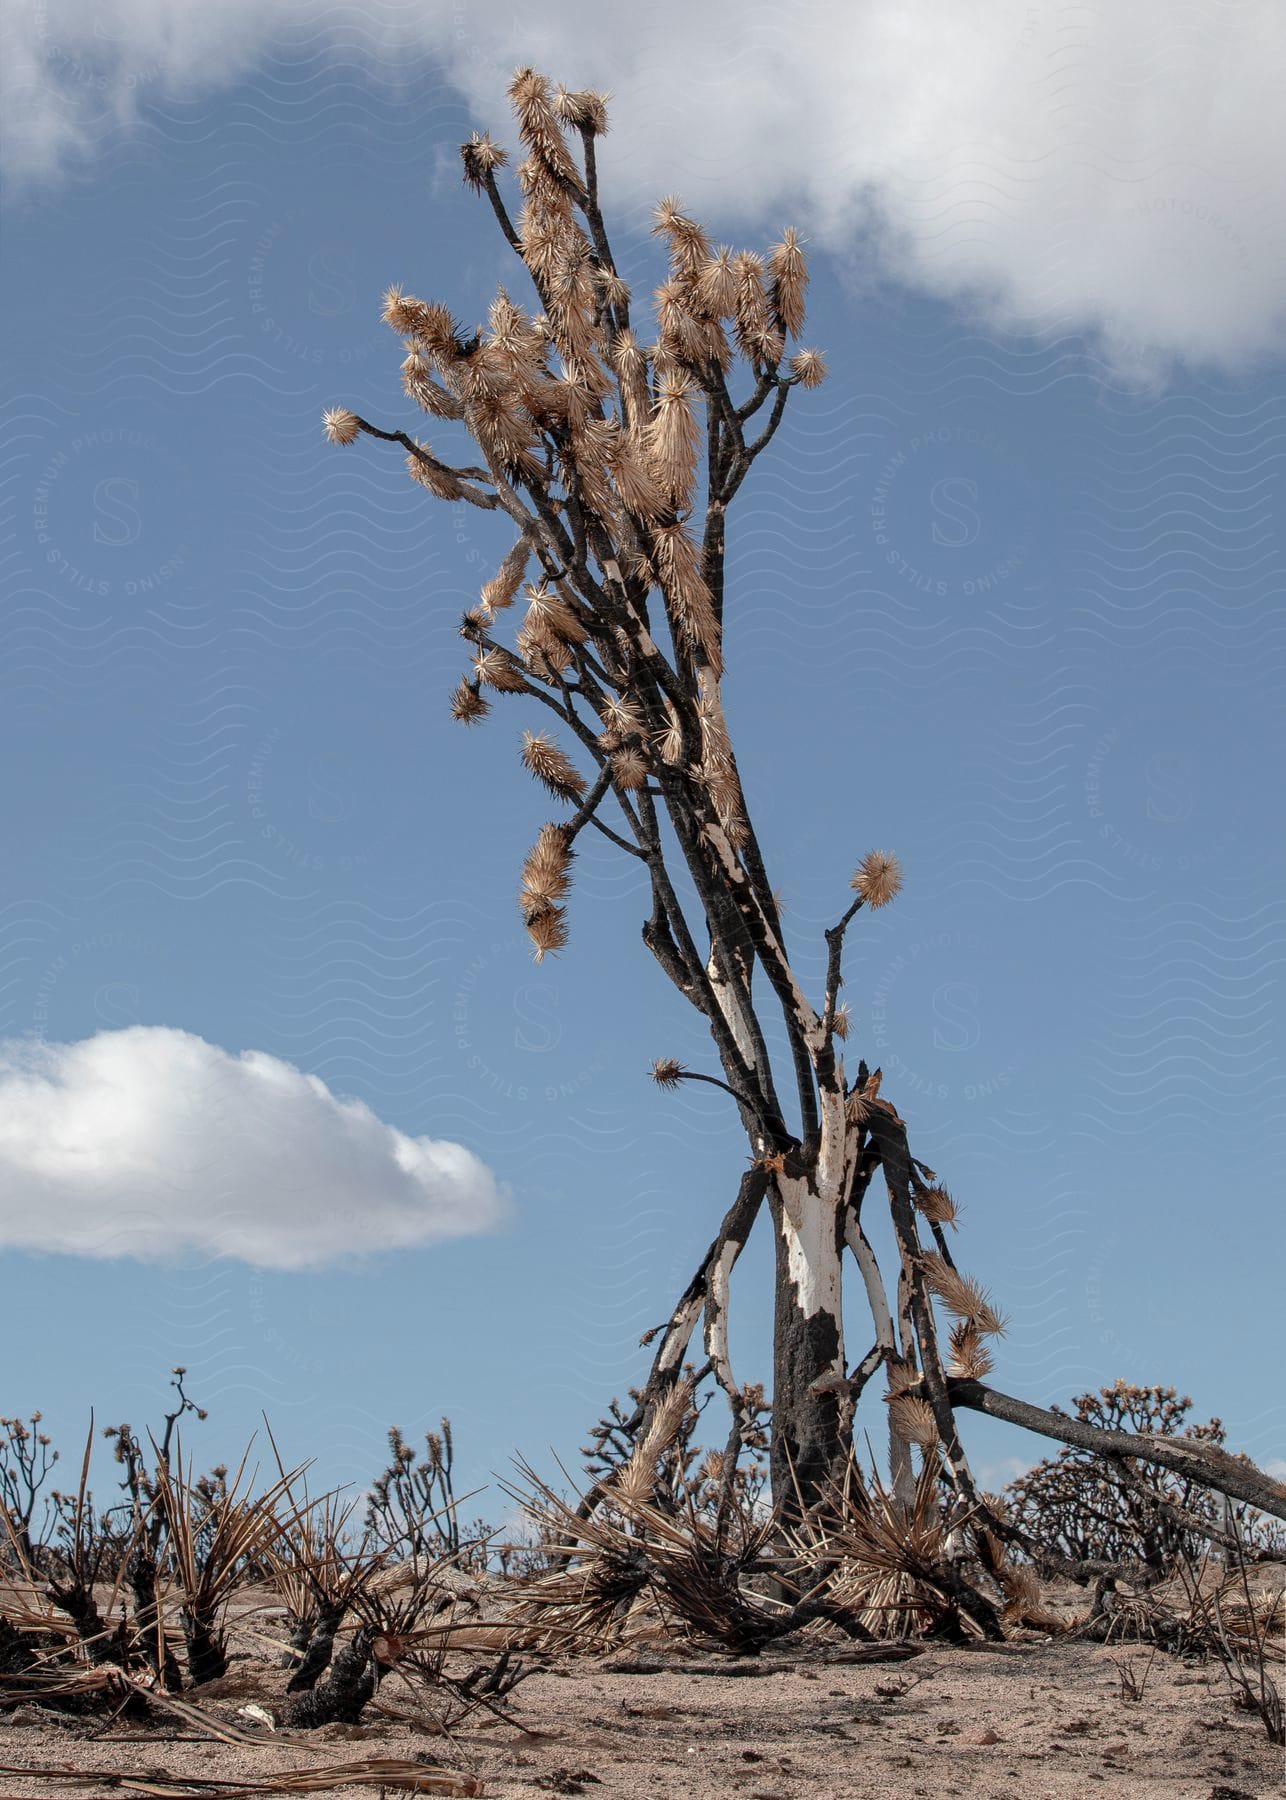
1041 1719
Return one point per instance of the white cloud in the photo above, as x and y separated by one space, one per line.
152 1143
1113 170
993 1476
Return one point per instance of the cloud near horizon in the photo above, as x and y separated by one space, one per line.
151 1143
1053 170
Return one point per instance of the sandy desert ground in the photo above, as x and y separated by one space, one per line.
1033 1721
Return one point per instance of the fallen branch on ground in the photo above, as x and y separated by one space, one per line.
381 1772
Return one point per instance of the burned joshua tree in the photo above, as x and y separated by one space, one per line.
616 452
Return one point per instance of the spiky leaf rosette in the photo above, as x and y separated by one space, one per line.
629 770
878 878
548 931
962 1297
340 425
621 722
789 274
546 874
584 109
552 766
481 158
468 703
497 669
970 1358
913 1419
936 1204
667 1071
808 368
503 587
674 437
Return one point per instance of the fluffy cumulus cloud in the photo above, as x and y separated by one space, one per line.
1113 171
152 1143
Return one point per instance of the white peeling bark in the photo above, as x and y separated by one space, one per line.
833 1150
716 1335
805 1017
678 1335
734 1014
812 1255
881 1313
901 1471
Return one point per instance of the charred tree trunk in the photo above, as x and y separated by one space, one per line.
301 1631
340 1698
321 1645
207 1652
17 1654
810 1429
100 1644
148 1624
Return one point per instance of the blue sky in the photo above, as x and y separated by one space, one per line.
1005 599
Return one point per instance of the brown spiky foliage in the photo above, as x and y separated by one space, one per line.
468 704
970 1358
440 482
615 450
887 1559
679 562
668 1548
667 1071
789 274
502 589
212 1532
481 159
548 931
585 109
495 668
636 1480
552 766
340 425
553 618
546 874
913 1418
936 1204
674 437
961 1296
629 770
878 878
808 368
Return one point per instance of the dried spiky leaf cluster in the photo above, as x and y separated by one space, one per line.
936 1204
913 1417
969 1356
340 425
962 1297
885 1557
546 881
595 443
878 878
552 766
667 1072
